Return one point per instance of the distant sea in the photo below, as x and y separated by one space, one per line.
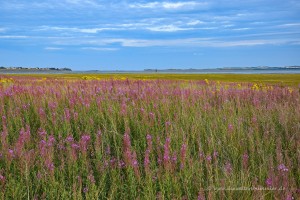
200 71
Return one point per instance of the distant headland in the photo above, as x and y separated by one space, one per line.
226 69
32 69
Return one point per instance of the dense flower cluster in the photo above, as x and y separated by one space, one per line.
131 139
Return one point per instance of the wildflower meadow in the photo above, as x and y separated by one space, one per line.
148 139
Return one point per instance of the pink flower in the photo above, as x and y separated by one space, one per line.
126 140
282 168
85 138
67 114
83 143
91 178
70 139
167 152
147 160
2 178
182 155
228 168
208 158
245 160
149 141
85 190
51 140
11 153
289 197
230 128
215 154
269 182
42 132
75 146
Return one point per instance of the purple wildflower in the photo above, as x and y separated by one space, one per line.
289 197
91 178
168 123
208 158
147 160
75 146
228 167
85 138
245 160
269 182
182 155
51 140
85 190
42 132
11 153
167 152
215 154
282 168
67 114
70 138
230 128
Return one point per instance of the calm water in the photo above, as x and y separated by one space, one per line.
204 71
210 71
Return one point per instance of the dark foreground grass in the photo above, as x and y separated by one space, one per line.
83 138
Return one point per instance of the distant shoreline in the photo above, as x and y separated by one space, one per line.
225 70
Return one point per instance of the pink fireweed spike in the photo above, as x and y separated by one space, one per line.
147 153
149 141
147 161
228 168
127 149
209 158
98 141
282 168
135 164
182 156
67 114
269 182
245 161
42 133
84 142
2 179
166 158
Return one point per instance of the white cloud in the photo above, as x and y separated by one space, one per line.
79 30
168 28
241 29
170 5
157 27
13 36
289 25
192 42
100 48
53 4
194 23
53 48
83 3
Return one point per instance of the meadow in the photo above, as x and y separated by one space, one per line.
284 79
149 137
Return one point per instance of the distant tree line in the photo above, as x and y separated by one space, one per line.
36 68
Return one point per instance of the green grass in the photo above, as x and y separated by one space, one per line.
65 137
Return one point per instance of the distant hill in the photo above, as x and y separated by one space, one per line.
32 69
225 68
260 68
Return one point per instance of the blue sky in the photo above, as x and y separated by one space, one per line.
134 35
